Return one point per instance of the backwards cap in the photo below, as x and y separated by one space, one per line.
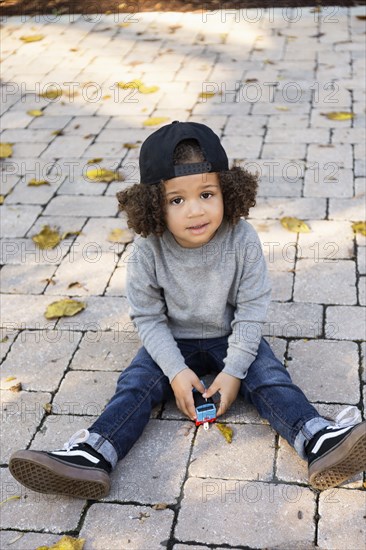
156 156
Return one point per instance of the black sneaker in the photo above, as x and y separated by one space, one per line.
76 470
336 454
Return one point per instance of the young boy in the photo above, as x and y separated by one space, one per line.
198 290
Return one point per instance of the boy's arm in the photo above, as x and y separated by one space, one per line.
252 303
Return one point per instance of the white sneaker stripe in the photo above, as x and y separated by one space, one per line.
328 436
89 457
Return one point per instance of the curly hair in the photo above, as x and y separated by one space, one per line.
145 205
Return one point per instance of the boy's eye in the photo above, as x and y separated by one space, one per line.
206 195
177 200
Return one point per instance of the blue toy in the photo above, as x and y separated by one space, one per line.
205 409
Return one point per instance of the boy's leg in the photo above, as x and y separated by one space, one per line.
82 468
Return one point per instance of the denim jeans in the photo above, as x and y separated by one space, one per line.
143 385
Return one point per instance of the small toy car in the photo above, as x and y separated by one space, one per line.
205 409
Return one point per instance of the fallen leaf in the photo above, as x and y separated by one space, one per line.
106 97
148 89
338 115
132 84
47 238
14 497
206 95
48 408
120 236
57 133
173 28
65 543
35 112
295 225
359 227
269 62
226 431
16 388
103 175
123 25
32 38
251 80
5 339
94 161
51 93
6 150
130 145
155 121
76 284
69 234
361 17
10 378
2 198
282 108
35 183
49 281
64 308
160 506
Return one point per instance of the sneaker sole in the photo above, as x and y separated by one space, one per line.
43 474
341 463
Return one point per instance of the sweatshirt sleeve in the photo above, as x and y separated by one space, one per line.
253 298
148 312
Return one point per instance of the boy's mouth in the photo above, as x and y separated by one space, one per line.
199 228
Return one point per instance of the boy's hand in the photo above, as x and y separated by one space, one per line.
182 386
228 386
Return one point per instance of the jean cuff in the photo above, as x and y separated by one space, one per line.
104 447
307 432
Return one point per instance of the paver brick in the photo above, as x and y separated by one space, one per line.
326 371
17 219
353 209
116 526
219 511
328 240
304 208
37 511
25 278
39 359
101 313
81 206
25 541
345 322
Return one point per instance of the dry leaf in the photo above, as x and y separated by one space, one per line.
16 388
338 115
49 281
69 234
35 183
94 161
14 497
206 95
103 175
10 378
76 284
282 108
160 506
359 227
361 17
123 25
47 238
65 543
6 150
32 38
64 308
148 89
48 408
35 112
123 236
51 93
155 121
5 339
294 225
130 145
132 84
226 431
57 133
2 198
106 97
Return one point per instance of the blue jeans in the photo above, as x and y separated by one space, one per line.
143 385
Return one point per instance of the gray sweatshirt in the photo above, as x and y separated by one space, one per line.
219 289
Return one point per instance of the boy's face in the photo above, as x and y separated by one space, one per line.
195 208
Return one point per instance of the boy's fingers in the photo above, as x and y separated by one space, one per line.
210 391
198 385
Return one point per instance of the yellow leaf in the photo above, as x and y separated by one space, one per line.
10 378
94 161
295 225
130 145
206 95
69 234
16 388
64 308
103 175
32 38
226 431
47 238
132 84
57 133
35 112
282 108
160 506
6 150
65 543
35 183
148 89
106 97
2 198
47 407
51 93
123 25
359 227
338 115
120 236
155 121
14 497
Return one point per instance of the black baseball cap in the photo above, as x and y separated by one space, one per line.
156 155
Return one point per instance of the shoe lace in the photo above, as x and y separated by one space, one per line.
349 416
78 437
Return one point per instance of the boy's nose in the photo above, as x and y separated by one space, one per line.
195 208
